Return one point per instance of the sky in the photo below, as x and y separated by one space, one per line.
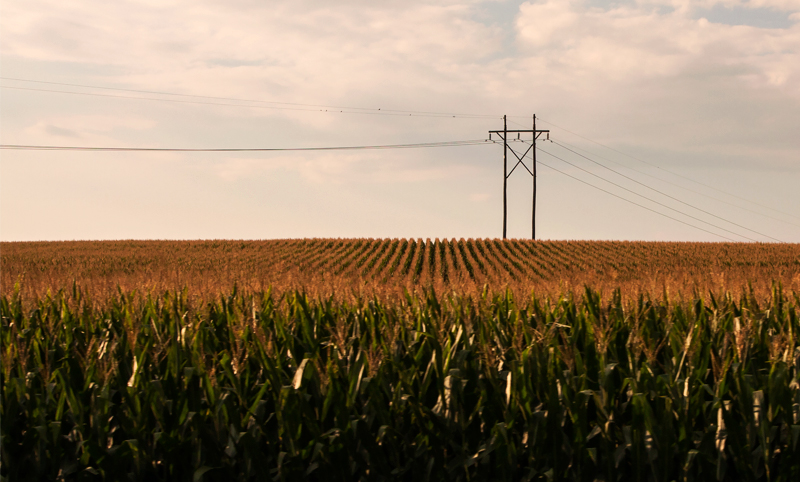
691 109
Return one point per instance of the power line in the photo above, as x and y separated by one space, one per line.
276 105
683 187
657 191
671 172
341 111
649 199
353 110
665 194
634 203
23 147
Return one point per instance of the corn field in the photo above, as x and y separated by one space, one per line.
259 386
388 268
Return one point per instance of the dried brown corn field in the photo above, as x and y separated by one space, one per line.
388 267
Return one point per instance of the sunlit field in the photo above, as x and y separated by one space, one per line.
388 268
400 360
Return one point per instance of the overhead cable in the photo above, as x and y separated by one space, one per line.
274 104
647 198
663 193
671 172
634 203
700 193
23 147
661 179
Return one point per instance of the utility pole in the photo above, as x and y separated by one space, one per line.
533 175
505 176
532 148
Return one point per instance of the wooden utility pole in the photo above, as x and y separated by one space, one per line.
533 175
505 176
506 147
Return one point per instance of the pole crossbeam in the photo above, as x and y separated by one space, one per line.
520 130
503 134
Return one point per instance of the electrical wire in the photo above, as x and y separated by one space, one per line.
683 187
672 184
360 110
341 111
649 199
23 147
275 105
663 193
634 203
671 172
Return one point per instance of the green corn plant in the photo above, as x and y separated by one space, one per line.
253 386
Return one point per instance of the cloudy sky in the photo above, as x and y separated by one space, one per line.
690 108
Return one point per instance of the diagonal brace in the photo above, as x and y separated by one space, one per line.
515 166
519 160
530 146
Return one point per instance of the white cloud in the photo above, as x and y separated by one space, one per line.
89 129
637 75
339 168
686 5
627 44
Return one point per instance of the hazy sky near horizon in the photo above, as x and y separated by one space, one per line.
665 92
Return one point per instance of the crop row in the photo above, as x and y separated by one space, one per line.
324 266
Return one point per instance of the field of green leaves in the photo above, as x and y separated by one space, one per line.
260 387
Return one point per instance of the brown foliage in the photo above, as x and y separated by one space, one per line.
386 268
